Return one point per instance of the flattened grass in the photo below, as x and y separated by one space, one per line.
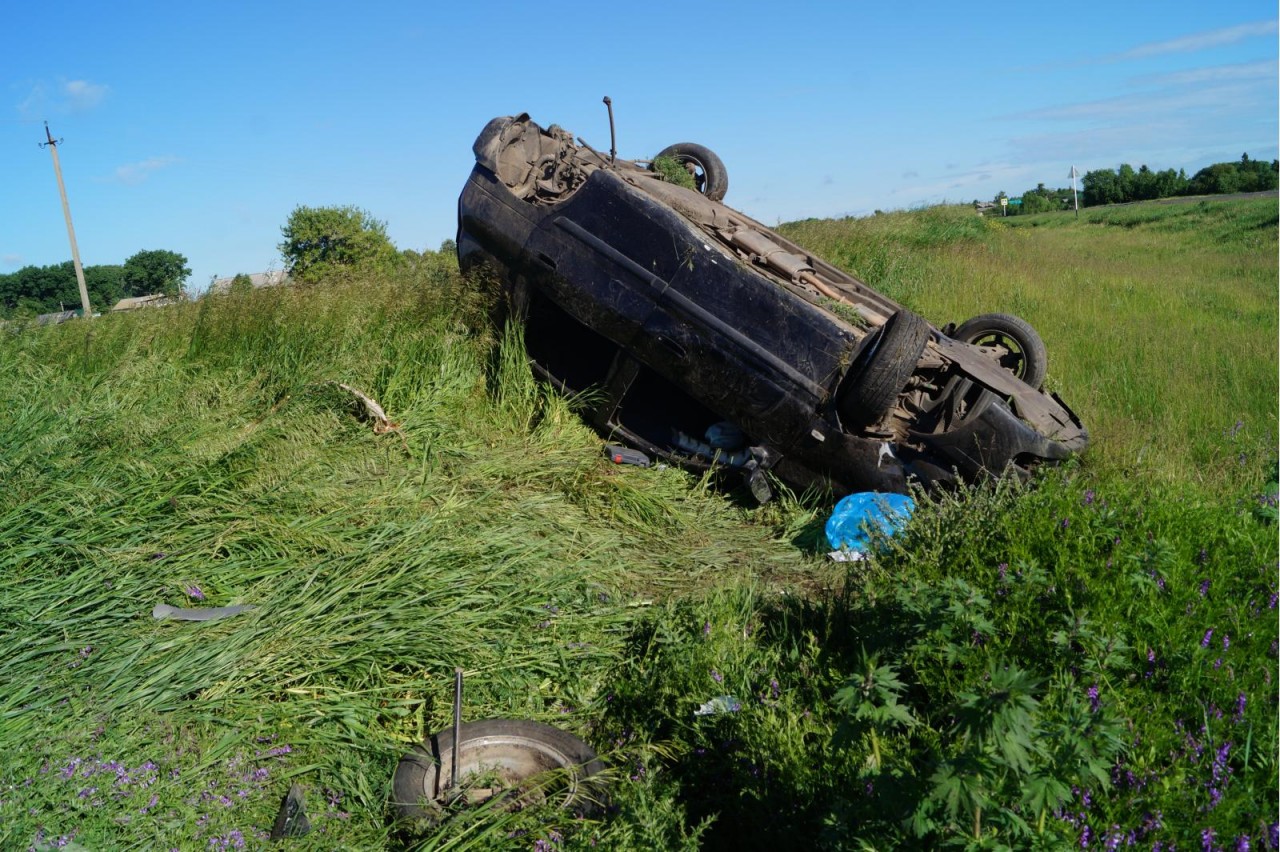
204 455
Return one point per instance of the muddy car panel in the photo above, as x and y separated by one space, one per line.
680 313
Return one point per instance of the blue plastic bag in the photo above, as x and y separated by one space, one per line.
854 519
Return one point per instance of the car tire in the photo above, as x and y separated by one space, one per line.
709 173
881 369
1026 355
522 748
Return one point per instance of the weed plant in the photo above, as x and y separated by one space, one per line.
1088 661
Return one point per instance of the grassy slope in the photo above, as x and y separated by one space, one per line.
204 447
1160 320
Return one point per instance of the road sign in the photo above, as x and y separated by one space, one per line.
1004 202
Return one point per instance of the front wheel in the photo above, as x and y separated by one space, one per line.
709 174
881 369
1011 341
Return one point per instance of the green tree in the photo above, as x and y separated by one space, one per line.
322 240
155 271
1100 187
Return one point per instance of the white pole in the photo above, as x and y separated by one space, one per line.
1075 194
71 231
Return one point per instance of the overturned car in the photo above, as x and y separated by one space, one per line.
695 333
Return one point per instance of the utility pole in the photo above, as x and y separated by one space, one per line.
52 145
1075 195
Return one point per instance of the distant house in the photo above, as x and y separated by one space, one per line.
155 300
274 278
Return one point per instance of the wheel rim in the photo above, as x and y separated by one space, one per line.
1004 349
696 169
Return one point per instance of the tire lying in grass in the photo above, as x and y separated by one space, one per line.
709 174
881 369
1012 341
501 762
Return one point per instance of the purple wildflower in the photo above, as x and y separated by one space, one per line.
1206 839
1208 635
194 592
706 628
1242 843
1066 522
1204 587
716 676
776 690
1240 702
1088 497
1226 641
1094 703
1220 761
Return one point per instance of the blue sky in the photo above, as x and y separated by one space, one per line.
198 127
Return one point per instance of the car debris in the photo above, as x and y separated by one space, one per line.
619 454
207 613
681 313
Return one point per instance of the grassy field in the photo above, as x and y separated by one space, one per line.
1160 320
1087 662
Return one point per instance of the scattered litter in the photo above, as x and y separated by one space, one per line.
703 450
208 613
373 411
625 455
292 820
719 704
847 555
859 516
886 449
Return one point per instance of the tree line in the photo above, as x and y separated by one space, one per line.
1125 184
35 290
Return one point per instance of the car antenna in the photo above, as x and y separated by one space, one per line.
613 139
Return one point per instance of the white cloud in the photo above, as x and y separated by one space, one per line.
1265 70
132 174
1200 41
11 259
82 95
1233 97
44 98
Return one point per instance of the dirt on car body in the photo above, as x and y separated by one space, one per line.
706 338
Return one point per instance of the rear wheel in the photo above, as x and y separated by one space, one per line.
709 174
882 369
1011 341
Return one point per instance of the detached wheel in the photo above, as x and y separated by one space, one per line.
525 762
882 369
1011 341
709 174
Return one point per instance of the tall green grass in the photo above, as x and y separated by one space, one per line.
1160 320
1022 668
